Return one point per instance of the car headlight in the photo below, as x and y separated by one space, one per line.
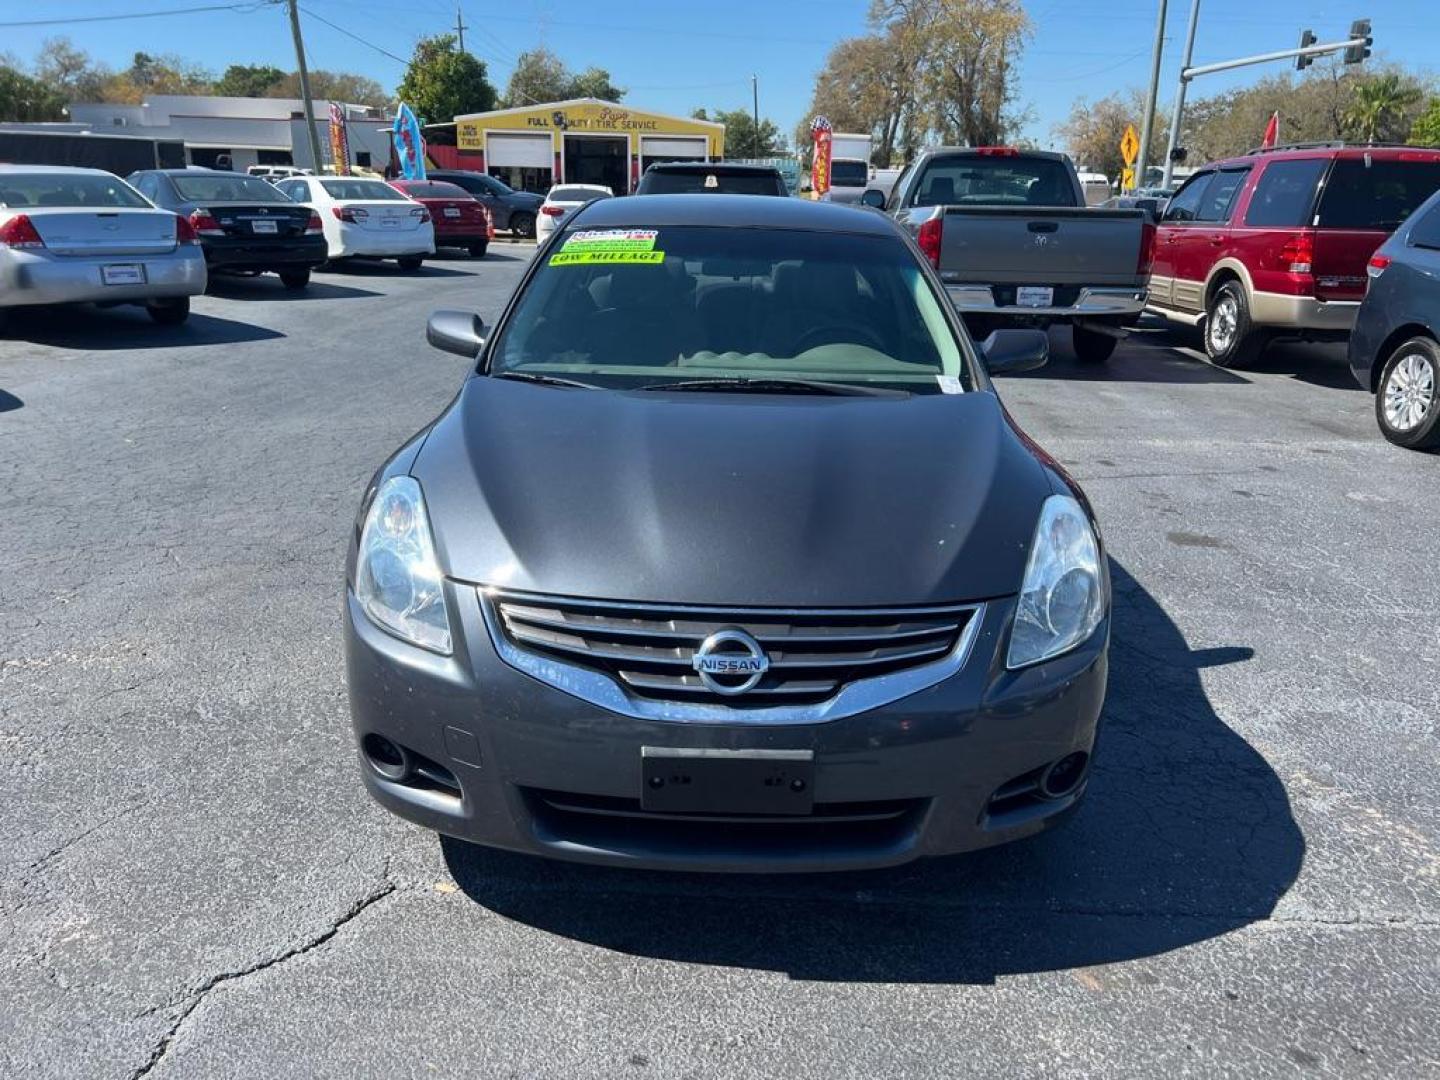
1063 597
397 577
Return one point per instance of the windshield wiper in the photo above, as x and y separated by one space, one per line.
544 380
741 385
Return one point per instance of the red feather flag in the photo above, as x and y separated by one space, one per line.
1272 131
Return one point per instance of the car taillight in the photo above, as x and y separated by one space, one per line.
929 238
314 225
205 224
1297 254
184 231
552 211
1147 249
1376 266
421 213
352 214
997 151
19 232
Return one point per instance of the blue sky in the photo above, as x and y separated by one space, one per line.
678 54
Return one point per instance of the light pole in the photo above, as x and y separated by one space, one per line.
1179 112
1148 124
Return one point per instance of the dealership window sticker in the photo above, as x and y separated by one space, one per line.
583 258
611 240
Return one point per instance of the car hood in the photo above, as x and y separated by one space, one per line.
735 499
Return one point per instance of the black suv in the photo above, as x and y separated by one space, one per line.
511 210
711 178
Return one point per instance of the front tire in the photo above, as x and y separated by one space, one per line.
295 279
410 263
523 226
1091 346
1407 401
1231 339
170 312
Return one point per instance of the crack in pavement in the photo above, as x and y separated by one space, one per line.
196 997
65 845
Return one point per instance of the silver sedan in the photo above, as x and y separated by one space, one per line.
75 235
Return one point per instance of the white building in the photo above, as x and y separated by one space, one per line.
241 131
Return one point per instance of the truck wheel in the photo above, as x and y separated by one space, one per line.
170 312
1407 403
1091 346
523 226
1231 340
295 279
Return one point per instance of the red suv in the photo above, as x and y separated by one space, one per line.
1274 244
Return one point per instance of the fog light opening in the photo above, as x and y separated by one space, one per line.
389 759
1062 777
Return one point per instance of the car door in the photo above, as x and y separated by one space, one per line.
1171 238
1205 242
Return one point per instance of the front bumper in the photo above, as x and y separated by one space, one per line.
41 277
284 254
1090 302
529 768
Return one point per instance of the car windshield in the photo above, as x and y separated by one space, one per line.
625 308
576 194
848 174
995 180
371 190
67 189
435 189
226 189
711 183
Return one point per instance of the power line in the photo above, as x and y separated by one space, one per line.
254 5
356 37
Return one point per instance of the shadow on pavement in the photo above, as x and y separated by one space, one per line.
1186 834
9 402
268 287
1147 356
128 327
386 268
1323 365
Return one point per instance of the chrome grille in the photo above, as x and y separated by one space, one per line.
648 649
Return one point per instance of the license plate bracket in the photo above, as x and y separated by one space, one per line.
452 211
1034 296
123 274
264 226
712 781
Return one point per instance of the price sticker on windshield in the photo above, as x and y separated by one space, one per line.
611 240
581 258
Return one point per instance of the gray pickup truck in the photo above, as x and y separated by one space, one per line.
1016 245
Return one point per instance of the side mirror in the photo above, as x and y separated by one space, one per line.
1015 350
458 332
873 197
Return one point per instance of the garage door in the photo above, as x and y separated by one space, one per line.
658 149
518 151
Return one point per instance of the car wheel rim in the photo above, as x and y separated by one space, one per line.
1409 392
1222 324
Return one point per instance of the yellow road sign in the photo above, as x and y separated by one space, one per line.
1127 179
1129 144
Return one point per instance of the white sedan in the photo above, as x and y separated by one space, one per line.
562 199
83 235
366 218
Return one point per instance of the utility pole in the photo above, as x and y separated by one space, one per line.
1179 112
460 26
1148 124
316 162
755 104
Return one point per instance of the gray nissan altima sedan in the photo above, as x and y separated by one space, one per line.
727 556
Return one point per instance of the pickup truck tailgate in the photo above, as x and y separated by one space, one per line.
1006 245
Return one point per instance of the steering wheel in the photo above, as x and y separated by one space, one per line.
849 333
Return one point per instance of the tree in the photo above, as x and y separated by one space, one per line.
25 99
742 140
541 77
249 80
149 75
69 71
1425 131
1378 107
1092 133
442 82
333 86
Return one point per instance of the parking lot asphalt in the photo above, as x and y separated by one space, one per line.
194 883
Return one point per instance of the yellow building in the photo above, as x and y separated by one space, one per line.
584 141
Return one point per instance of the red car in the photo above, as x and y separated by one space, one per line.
1275 243
461 220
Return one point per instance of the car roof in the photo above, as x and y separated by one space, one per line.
192 171
1326 153
727 168
65 170
732 211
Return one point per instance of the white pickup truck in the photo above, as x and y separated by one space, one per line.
1015 244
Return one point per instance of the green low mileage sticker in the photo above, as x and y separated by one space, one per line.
578 258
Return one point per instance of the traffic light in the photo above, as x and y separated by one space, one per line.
1360 28
1307 38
